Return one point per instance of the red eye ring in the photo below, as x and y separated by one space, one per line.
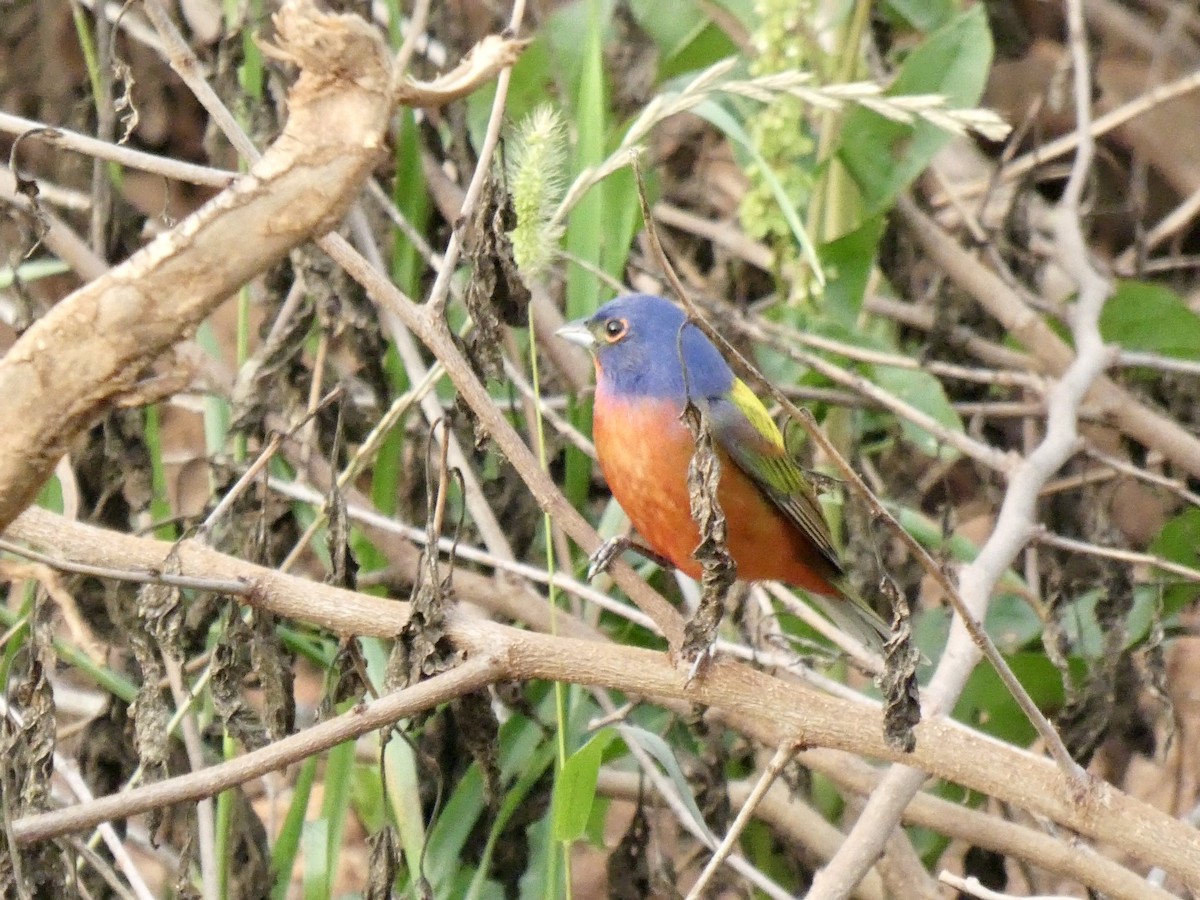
615 329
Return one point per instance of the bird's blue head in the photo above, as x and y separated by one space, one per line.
640 352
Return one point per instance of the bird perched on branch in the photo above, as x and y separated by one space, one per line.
649 362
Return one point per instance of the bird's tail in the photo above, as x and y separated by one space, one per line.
851 613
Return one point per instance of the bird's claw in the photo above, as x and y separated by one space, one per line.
703 655
605 554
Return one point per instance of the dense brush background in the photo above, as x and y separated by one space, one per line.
780 216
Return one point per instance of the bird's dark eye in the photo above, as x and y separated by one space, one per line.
615 329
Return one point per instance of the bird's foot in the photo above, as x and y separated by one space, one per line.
700 634
700 658
607 552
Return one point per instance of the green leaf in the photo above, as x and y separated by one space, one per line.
624 218
314 843
848 262
283 854
586 223
885 156
988 705
51 496
672 26
1012 622
335 806
923 15
1083 630
575 787
661 751
1152 319
1178 542
922 390
720 117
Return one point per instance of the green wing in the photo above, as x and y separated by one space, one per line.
744 429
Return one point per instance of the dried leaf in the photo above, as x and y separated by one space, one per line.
160 608
479 731
901 694
422 649
346 679
273 665
123 103
720 571
496 292
150 710
343 569
384 866
629 865
230 669
480 65
185 887
28 747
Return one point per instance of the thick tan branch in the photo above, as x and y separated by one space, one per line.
765 708
90 350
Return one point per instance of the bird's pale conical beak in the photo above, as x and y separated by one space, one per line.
578 332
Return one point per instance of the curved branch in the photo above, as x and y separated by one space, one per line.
88 353
765 708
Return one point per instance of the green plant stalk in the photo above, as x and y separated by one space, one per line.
87 44
224 823
18 637
160 504
104 678
398 768
250 73
833 185
584 233
240 440
413 201
512 801
560 689
33 270
339 769
395 15
400 765
314 840
91 60
283 854
217 415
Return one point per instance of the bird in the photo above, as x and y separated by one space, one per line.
650 360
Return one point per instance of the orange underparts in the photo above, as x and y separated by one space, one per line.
644 450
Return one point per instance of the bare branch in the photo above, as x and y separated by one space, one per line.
766 709
90 350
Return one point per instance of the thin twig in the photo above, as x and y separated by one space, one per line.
782 755
441 285
209 781
1101 126
205 810
191 582
974 888
1132 557
165 166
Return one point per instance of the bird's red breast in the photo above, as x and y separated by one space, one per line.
644 449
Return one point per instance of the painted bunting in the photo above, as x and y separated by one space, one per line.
775 527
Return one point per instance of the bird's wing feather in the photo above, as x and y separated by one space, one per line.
744 429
